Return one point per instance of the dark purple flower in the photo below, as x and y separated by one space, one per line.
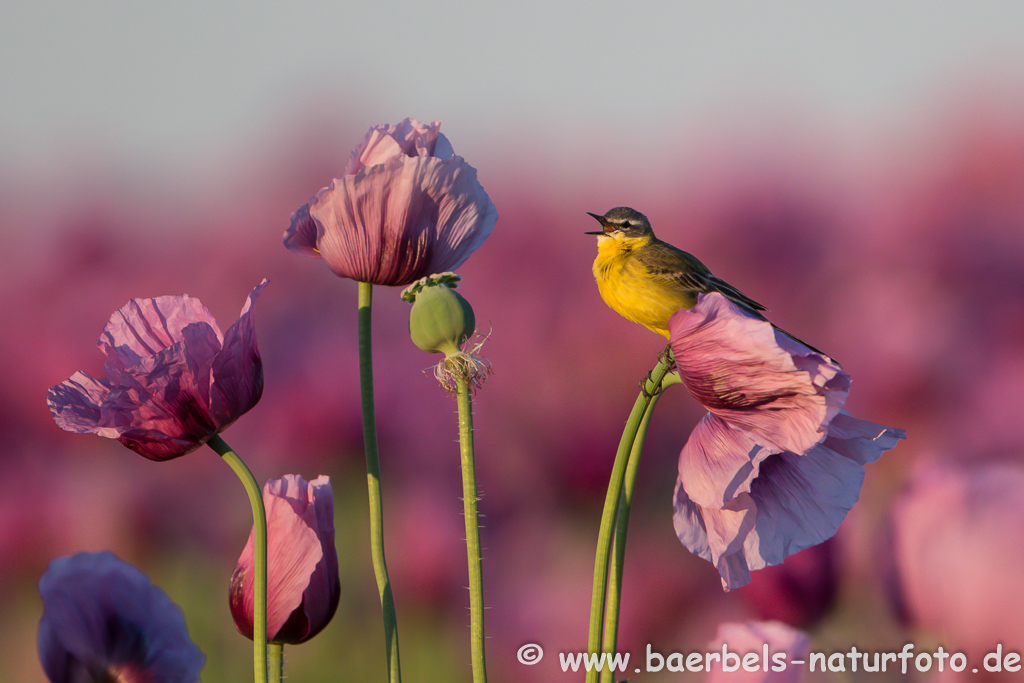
173 380
798 592
104 621
776 463
406 207
303 588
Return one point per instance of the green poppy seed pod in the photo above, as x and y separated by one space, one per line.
441 319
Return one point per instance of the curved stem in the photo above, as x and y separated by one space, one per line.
275 663
380 567
259 525
469 501
611 505
618 552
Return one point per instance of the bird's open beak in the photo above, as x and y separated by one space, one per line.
599 219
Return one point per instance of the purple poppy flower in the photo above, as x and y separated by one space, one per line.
406 207
103 620
303 588
776 463
173 380
800 591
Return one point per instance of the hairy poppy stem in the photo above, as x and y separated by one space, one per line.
275 665
641 407
259 525
469 501
380 567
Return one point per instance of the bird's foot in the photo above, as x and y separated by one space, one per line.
649 394
668 359
664 358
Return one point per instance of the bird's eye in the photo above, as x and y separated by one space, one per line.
626 224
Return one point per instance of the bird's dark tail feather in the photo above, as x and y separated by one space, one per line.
801 341
756 310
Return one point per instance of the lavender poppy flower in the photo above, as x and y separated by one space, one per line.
406 207
776 463
173 380
103 620
302 563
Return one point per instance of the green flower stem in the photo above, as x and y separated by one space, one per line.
275 664
469 501
380 567
618 553
611 505
259 525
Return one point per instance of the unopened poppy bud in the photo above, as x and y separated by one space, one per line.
303 587
441 319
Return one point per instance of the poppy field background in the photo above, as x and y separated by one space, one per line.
897 246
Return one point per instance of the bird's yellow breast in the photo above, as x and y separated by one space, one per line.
630 289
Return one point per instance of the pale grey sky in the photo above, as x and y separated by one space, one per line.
171 82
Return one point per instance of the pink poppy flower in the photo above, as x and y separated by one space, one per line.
303 588
406 207
957 546
776 463
743 647
173 380
103 620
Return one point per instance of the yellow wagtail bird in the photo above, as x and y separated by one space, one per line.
646 280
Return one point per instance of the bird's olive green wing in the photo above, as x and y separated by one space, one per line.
676 268
682 270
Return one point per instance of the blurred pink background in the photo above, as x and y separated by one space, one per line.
884 225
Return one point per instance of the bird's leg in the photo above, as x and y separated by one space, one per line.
665 358
643 387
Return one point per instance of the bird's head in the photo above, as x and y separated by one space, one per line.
622 222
